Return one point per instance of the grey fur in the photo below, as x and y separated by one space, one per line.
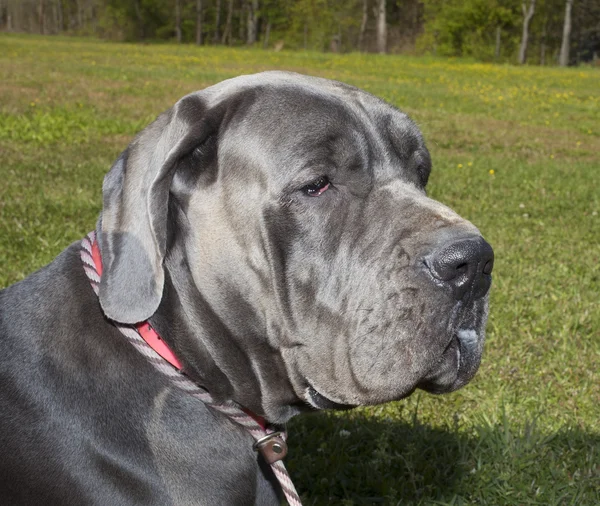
281 301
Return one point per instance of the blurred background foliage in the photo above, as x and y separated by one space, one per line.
485 30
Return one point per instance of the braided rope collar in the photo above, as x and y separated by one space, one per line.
144 338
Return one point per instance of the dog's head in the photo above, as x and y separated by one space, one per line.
295 208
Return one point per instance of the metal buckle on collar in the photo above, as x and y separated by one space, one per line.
272 447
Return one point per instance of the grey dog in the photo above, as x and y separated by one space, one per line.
275 230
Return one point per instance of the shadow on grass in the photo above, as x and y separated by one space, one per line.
356 459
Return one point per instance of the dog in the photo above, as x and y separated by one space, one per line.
275 231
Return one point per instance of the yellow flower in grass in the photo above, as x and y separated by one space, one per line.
492 172
460 165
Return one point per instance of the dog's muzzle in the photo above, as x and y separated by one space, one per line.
461 267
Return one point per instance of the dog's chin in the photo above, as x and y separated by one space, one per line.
317 400
457 365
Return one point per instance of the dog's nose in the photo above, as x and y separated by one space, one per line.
465 265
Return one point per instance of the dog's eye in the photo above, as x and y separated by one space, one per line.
317 187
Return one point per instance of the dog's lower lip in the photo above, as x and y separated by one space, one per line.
466 337
319 401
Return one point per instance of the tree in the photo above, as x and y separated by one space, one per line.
381 27
498 41
252 21
59 16
489 30
363 25
227 31
275 19
178 20
199 14
585 35
41 14
501 16
564 47
527 15
217 22
267 33
543 42
484 29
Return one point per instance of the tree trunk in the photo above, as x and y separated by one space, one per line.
178 20
199 22
217 22
29 18
363 25
79 15
92 16
564 47
41 16
242 22
59 16
252 21
498 40
305 35
267 35
227 31
543 42
55 17
527 15
17 19
9 24
381 27
140 19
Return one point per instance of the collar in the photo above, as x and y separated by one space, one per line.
271 445
153 339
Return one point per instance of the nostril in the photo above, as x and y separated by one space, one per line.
488 267
462 268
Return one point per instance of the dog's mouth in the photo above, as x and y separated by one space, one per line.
457 365
460 360
319 401
442 370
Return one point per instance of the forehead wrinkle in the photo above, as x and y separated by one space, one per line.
312 137
372 111
285 106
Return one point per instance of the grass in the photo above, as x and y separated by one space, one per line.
515 150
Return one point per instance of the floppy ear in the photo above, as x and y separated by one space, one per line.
135 202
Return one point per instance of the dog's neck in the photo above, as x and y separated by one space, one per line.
231 363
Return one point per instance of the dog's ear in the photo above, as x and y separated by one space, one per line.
135 202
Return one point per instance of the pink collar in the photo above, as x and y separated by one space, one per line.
154 340
270 443
146 331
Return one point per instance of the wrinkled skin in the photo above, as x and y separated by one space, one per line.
326 291
271 293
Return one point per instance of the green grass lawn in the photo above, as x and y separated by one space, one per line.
515 150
